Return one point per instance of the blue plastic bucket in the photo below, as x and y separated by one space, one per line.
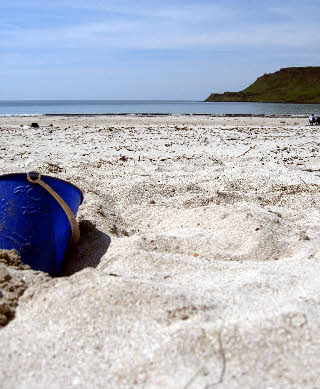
33 222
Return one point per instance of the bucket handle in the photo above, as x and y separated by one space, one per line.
35 178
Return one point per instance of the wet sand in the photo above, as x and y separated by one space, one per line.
198 264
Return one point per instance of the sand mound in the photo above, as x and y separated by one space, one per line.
15 277
218 327
12 259
11 287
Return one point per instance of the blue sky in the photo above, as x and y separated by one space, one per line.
77 49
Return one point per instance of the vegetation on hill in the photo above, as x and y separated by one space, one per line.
288 85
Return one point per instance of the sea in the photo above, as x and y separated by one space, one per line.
150 107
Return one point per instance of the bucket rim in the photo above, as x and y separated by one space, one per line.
44 175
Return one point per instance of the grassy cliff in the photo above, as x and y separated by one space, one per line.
288 85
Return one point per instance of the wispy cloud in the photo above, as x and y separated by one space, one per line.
170 27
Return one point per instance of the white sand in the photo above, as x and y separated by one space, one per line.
211 279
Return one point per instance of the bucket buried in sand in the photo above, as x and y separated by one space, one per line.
37 218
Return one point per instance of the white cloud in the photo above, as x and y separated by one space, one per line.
142 25
147 35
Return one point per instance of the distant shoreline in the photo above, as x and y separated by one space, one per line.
226 115
176 114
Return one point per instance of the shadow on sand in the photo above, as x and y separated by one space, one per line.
91 248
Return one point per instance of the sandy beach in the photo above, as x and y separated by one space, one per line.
198 263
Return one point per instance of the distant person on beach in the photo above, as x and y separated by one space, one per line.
312 119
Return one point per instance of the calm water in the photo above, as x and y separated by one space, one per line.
151 106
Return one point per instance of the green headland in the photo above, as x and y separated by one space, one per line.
287 85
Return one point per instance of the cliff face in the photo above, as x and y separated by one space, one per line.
288 85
